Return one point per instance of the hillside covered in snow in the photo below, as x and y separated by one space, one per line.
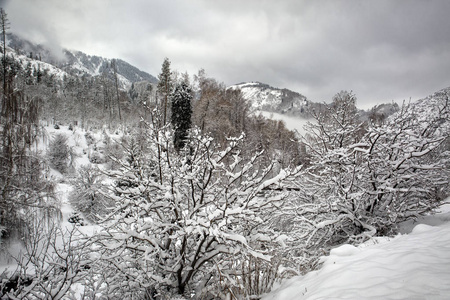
76 63
266 98
412 265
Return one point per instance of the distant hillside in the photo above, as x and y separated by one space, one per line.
379 112
440 98
267 98
78 63
421 107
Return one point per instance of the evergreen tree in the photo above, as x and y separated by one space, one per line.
4 26
164 87
181 114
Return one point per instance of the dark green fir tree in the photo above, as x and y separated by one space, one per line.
181 114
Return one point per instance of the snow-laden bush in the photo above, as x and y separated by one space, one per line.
87 196
197 223
59 153
52 261
113 151
362 182
96 157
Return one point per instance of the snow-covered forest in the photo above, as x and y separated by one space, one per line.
177 189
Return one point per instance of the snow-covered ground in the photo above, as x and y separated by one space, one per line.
409 266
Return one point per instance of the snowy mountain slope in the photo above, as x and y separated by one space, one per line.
32 50
266 98
269 102
424 106
34 64
380 111
80 63
413 266
77 63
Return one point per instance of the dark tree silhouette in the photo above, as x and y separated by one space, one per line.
181 114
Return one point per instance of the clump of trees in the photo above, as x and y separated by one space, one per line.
364 179
222 112
24 188
215 222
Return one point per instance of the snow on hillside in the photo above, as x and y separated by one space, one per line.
36 64
81 150
73 62
264 97
95 66
260 98
408 266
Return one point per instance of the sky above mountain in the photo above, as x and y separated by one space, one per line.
381 50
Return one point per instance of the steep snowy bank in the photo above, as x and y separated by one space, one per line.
409 266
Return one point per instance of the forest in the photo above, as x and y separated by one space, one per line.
192 194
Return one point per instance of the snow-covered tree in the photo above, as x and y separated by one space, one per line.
59 153
164 89
52 261
181 114
335 127
202 228
86 196
361 187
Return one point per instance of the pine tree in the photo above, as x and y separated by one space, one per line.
164 87
181 114
4 26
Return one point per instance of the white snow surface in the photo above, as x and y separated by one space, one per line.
408 266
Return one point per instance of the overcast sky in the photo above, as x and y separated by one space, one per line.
382 50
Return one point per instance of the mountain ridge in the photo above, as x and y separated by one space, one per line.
78 63
264 97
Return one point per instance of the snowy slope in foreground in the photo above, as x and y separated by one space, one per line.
413 266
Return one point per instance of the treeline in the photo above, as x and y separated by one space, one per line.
35 93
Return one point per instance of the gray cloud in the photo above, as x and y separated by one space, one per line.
382 50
